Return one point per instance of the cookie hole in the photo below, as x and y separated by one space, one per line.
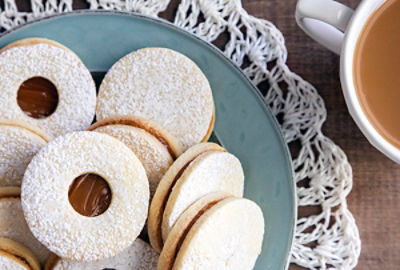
37 97
90 195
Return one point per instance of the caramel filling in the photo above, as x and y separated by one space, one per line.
37 97
190 225
177 176
23 260
164 203
90 195
19 258
165 144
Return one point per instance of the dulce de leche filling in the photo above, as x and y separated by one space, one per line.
37 97
190 225
90 195
176 178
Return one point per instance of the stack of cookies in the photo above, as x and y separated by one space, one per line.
139 188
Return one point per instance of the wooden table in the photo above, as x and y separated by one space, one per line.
375 199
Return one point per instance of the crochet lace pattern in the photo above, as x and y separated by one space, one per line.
328 240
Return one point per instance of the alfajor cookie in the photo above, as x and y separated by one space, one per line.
85 196
203 169
153 145
164 86
13 224
215 233
19 142
139 256
35 70
14 256
183 224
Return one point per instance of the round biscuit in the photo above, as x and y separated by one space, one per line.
51 217
19 142
37 57
13 224
165 186
212 171
182 226
161 85
15 256
229 235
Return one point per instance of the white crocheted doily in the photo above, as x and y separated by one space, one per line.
329 240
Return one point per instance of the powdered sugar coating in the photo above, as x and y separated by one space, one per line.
13 226
17 147
51 217
139 256
161 85
75 86
7 262
212 171
150 151
227 236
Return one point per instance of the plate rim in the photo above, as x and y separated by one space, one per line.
222 56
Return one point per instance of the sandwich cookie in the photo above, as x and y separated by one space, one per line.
203 169
47 85
19 142
85 196
13 224
14 256
153 145
164 86
215 233
139 256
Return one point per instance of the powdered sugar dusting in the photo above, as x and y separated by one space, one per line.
17 147
139 256
51 217
75 86
161 85
212 171
236 227
14 227
153 155
7 263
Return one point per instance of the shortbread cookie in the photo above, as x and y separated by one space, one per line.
153 145
224 234
14 256
19 142
13 224
139 256
55 178
181 226
203 169
164 86
47 60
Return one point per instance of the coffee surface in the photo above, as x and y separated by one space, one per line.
377 70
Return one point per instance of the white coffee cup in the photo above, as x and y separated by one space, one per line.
338 28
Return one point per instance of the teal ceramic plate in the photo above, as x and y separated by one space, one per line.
244 125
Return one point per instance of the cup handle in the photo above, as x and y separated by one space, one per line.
325 21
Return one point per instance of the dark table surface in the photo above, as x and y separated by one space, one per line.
375 199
